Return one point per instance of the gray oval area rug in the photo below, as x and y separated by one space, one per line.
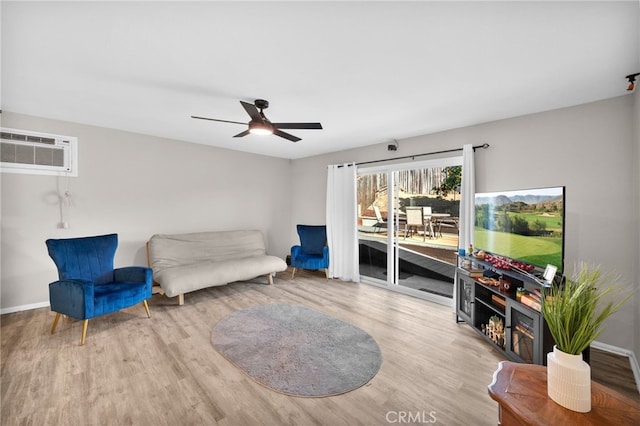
296 350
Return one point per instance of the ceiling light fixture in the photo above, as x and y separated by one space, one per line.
632 81
257 128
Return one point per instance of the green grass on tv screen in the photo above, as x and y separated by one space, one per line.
552 222
534 250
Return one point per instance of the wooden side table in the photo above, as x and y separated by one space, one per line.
521 392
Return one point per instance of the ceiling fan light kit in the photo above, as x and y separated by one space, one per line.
632 81
256 128
261 125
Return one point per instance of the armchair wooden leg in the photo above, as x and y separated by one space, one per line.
293 273
326 272
269 279
146 307
55 322
85 323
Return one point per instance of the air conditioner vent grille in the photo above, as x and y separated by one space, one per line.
27 138
25 154
30 152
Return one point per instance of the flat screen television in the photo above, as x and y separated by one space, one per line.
524 225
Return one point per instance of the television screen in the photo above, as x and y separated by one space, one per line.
524 225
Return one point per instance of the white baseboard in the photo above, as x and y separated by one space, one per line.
24 307
624 352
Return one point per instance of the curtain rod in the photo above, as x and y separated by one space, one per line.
483 146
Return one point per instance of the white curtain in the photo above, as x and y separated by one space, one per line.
342 229
467 200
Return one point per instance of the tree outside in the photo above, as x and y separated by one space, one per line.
451 183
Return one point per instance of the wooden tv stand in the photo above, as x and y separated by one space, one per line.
521 392
524 336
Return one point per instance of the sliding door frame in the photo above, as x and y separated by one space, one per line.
391 170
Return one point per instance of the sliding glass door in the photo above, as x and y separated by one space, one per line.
408 226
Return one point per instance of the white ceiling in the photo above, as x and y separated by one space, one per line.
368 71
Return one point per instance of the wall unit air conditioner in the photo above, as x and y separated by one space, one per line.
23 151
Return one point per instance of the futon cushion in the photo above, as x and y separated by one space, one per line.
185 278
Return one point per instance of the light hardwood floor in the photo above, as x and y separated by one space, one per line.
164 371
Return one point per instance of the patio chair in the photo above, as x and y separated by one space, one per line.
418 217
428 219
381 222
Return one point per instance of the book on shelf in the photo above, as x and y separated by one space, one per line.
525 328
474 272
523 347
499 301
524 331
536 295
528 300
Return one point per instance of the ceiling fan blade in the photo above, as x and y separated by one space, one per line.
241 134
252 111
215 119
286 135
297 125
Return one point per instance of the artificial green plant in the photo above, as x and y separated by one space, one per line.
575 311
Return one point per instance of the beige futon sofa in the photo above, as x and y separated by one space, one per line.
187 262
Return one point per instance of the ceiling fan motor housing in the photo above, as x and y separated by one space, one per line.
261 103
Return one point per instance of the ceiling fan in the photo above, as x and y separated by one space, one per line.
261 125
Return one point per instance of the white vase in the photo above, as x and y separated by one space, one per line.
569 380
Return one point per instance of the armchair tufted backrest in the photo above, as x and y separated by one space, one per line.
86 258
313 238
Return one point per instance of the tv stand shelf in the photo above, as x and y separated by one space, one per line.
511 327
491 307
533 278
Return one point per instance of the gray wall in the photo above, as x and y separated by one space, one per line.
591 149
138 185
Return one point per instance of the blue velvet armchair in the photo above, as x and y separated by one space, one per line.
312 253
88 285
